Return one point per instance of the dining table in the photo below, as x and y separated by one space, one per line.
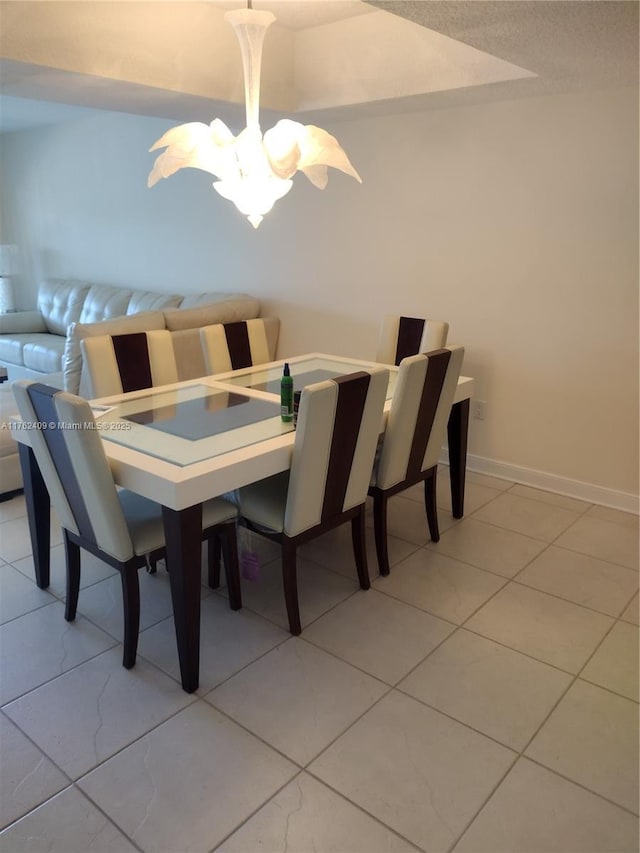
185 443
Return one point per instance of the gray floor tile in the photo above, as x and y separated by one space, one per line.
529 517
547 628
379 634
615 663
15 541
18 594
535 810
592 738
334 551
493 689
606 540
549 498
444 587
297 698
102 604
27 777
92 571
319 590
582 579
475 494
630 613
306 817
96 709
416 770
68 823
13 508
229 640
189 783
40 646
488 547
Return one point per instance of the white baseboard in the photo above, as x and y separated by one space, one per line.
613 498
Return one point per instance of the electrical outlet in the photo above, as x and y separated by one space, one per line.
479 409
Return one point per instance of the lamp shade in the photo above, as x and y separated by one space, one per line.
8 259
7 303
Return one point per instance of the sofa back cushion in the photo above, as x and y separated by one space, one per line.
72 359
103 302
228 310
60 303
147 300
194 300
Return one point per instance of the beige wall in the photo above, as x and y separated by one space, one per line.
515 221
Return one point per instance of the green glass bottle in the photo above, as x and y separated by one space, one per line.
286 394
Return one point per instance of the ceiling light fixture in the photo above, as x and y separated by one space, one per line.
253 171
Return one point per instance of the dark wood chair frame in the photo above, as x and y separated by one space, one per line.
289 546
224 534
380 501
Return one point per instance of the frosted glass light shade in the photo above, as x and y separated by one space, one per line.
253 171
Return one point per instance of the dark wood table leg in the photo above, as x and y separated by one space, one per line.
183 533
457 430
38 513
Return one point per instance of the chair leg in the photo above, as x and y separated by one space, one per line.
131 604
290 581
214 550
231 565
358 536
430 504
380 530
72 554
152 560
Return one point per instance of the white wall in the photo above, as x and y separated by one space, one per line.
515 221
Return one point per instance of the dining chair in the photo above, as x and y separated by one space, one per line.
231 346
413 437
339 422
128 362
403 336
116 525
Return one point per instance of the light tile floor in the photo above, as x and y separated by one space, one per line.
482 698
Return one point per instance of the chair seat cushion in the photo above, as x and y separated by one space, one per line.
263 503
144 519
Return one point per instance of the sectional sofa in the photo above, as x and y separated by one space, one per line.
45 344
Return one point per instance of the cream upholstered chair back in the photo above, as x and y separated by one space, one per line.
119 363
339 422
231 346
404 336
420 409
74 466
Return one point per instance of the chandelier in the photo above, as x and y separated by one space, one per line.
253 170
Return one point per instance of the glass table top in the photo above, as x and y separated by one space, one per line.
192 423
305 371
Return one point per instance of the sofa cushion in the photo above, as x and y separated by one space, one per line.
147 300
103 302
72 359
11 347
226 311
44 353
60 303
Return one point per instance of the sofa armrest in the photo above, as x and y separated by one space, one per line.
22 322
